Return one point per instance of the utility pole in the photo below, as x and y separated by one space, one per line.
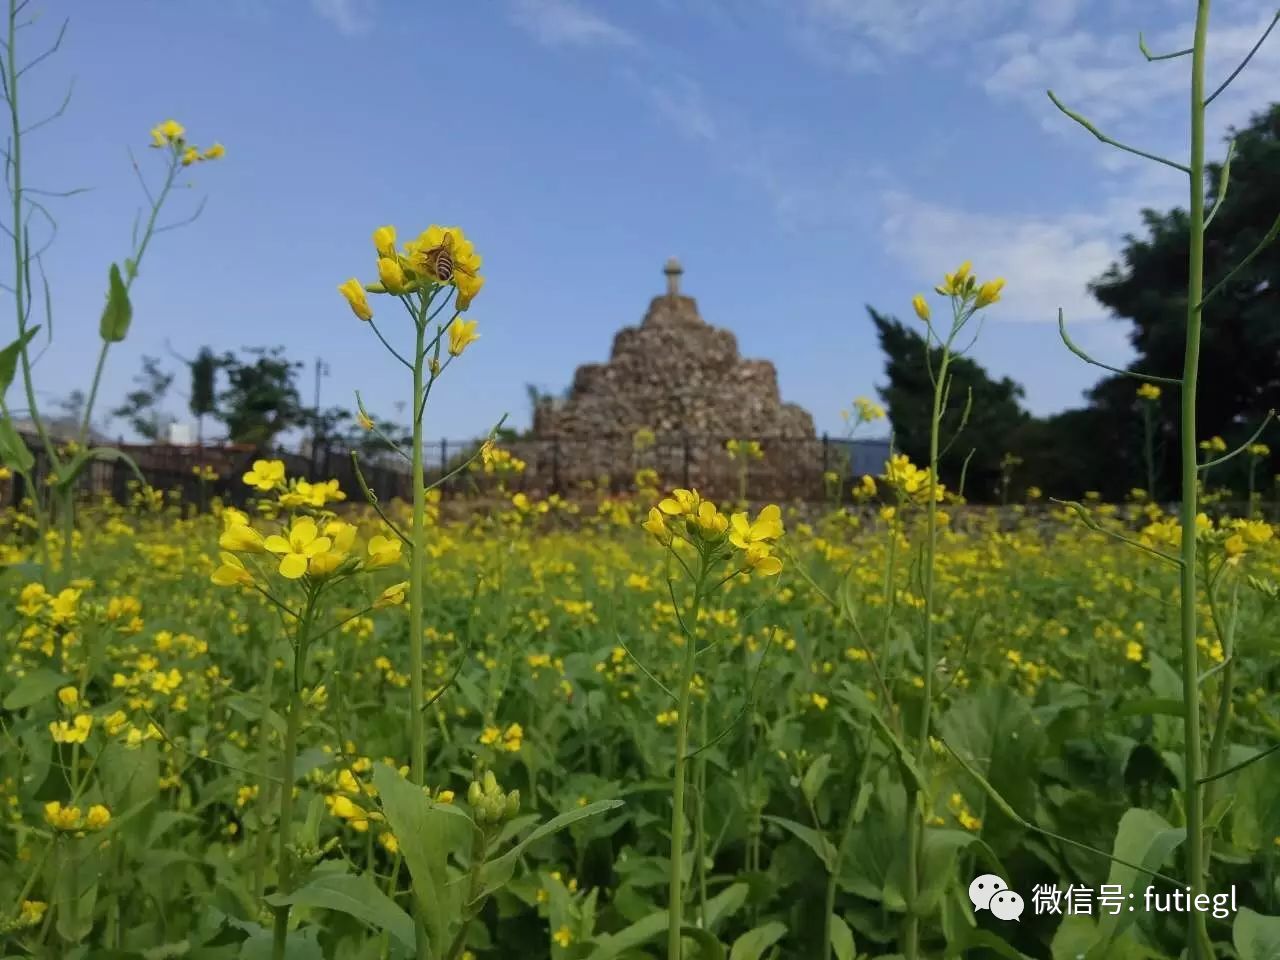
322 370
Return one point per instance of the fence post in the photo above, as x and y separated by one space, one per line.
555 464
686 461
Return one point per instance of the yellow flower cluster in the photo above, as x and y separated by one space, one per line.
315 547
865 410
700 522
745 449
911 482
509 740
173 135
70 819
1148 391
439 257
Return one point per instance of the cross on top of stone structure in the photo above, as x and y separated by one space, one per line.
673 271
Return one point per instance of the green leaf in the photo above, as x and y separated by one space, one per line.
1147 839
39 684
357 896
842 944
906 762
1150 706
1074 937
752 944
986 939
118 313
1255 936
823 848
709 948
9 359
496 873
995 733
76 466
815 777
726 903
14 452
609 946
642 931
428 833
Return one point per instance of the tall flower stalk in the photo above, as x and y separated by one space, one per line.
1194 775
434 276
711 549
66 464
967 296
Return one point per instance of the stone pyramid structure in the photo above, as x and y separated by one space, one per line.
674 374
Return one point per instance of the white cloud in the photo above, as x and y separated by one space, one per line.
352 17
682 103
566 23
1049 260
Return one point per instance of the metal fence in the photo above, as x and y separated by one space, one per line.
790 469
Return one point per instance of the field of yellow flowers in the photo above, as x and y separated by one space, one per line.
145 711
318 726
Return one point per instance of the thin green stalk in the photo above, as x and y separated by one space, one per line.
288 764
1148 446
700 825
1198 936
675 888
262 841
417 722
915 821
21 295
130 275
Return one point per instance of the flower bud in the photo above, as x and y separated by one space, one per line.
490 783
474 796
513 804
391 275
921 307
384 241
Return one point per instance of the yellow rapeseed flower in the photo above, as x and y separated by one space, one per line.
303 543
231 572
68 696
989 293
266 475
60 817
461 335
97 817
392 275
163 134
77 731
392 596
1148 391
354 292
384 551
921 307
384 241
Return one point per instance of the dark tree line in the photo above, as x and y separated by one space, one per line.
1099 446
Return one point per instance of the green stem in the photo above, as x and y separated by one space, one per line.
263 839
915 815
417 722
21 295
293 723
1200 946
675 889
700 825
130 275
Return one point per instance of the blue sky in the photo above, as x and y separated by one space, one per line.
803 158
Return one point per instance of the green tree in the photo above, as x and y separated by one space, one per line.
1240 356
995 419
141 407
261 399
